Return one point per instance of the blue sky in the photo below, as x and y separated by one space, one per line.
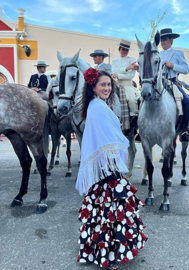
114 18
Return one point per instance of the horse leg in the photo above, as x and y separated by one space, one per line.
55 135
172 155
25 159
166 172
41 161
184 181
145 175
131 154
150 169
58 152
68 153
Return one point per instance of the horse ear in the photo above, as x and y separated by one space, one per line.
156 39
60 57
140 44
76 57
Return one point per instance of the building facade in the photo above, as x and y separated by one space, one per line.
44 42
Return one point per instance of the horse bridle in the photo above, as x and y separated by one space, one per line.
153 81
62 83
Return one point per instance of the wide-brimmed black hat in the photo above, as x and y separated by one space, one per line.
167 32
99 52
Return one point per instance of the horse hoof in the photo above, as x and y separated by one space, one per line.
57 162
41 209
16 203
144 182
169 184
161 160
149 201
68 174
164 207
184 183
35 171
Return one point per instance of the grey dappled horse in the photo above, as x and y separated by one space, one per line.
22 117
71 82
157 117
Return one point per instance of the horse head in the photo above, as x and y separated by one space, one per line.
70 77
149 68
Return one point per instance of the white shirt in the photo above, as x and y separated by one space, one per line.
119 66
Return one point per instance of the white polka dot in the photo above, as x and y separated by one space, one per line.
95 187
106 237
107 204
105 186
84 220
103 251
97 228
84 234
111 256
93 197
81 246
119 188
123 182
119 228
120 207
139 238
82 260
91 258
123 231
103 194
89 231
103 260
139 244
131 231
124 221
85 255
89 207
122 248
129 255
129 193
94 212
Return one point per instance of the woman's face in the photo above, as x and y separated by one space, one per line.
123 52
103 87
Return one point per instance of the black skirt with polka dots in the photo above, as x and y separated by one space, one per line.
112 229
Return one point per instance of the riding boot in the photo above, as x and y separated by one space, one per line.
185 131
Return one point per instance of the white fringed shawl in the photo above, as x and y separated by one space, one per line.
104 147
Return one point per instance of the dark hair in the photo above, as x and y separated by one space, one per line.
88 93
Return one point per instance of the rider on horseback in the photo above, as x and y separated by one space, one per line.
174 62
123 70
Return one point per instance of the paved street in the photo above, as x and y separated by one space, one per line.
49 241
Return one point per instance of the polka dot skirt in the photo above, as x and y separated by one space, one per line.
112 229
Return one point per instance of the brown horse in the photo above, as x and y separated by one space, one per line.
23 120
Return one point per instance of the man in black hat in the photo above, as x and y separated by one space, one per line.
174 63
98 57
39 81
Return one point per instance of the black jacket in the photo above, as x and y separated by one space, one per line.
39 82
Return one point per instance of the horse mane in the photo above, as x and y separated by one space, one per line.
147 68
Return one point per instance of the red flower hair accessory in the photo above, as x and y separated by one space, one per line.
91 75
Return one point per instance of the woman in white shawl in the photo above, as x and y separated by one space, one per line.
112 230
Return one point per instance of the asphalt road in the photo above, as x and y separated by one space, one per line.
50 241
